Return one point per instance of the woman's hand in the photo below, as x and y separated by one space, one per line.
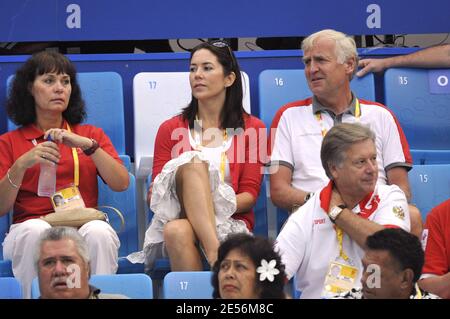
41 153
68 138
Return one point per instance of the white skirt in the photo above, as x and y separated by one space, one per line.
166 206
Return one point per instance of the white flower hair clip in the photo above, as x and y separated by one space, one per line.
267 270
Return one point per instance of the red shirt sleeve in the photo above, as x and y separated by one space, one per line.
437 249
171 140
252 170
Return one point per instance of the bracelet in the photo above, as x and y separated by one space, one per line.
91 149
11 182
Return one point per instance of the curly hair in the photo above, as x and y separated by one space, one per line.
256 248
20 104
402 246
233 111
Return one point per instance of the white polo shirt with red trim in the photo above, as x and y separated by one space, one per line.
298 139
308 243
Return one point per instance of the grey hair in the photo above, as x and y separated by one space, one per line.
59 233
338 140
345 45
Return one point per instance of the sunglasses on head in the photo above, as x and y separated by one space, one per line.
223 44
219 43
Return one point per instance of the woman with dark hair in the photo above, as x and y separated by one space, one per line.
45 102
247 267
206 170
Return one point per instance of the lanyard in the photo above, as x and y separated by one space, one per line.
76 162
340 238
320 119
223 155
418 292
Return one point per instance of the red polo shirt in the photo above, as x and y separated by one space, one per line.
28 204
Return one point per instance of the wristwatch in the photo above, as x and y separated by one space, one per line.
335 212
91 149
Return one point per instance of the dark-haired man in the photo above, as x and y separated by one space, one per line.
392 264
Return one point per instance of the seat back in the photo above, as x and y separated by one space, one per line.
188 285
279 87
6 268
125 202
10 288
430 186
261 225
157 97
134 286
420 98
103 95
5 222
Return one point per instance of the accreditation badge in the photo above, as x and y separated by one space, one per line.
67 198
340 278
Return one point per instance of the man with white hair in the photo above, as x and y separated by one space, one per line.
331 60
62 265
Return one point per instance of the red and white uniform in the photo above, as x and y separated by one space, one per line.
437 241
308 243
298 138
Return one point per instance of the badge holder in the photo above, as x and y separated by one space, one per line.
340 278
66 198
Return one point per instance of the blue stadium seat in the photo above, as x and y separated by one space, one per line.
430 186
5 265
35 291
127 267
294 292
103 94
134 286
279 87
6 268
420 98
10 288
260 209
188 285
125 202
5 222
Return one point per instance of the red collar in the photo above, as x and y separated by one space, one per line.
367 205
